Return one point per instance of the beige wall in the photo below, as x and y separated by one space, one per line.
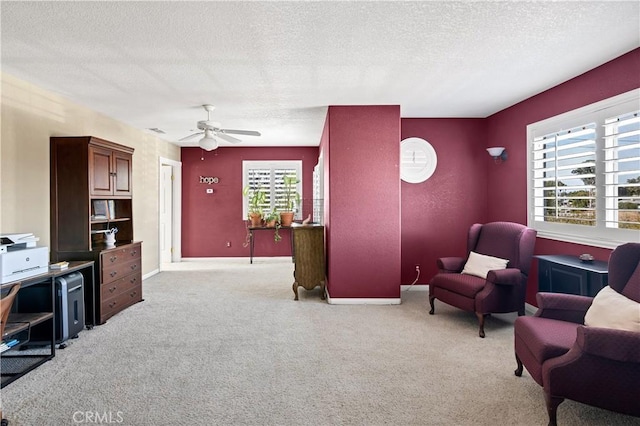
30 115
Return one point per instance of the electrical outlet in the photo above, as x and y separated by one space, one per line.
228 243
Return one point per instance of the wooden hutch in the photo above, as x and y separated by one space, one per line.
90 193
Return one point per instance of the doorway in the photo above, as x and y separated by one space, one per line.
170 200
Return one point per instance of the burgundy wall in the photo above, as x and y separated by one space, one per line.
507 197
363 226
361 154
210 220
437 213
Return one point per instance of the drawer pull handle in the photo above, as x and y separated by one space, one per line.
112 289
112 304
113 274
113 258
134 252
133 293
133 280
134 266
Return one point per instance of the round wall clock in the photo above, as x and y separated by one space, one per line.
418 160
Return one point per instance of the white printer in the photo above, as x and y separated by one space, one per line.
20 257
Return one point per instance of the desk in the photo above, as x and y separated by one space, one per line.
252 229
567 274
13 364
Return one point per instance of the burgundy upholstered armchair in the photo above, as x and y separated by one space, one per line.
594 365
500 290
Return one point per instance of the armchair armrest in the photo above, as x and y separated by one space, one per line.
563 307
451 264
617 345
509 276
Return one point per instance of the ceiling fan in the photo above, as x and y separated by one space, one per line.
211 130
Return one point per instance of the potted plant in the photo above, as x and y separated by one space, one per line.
256 197
271 219
289 199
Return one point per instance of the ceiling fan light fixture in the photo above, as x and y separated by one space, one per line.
208 142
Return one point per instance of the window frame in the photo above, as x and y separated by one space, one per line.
271 165
599 235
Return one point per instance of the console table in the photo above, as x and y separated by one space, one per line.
560 273
252 229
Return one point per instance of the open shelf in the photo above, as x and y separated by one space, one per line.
13 363
119 219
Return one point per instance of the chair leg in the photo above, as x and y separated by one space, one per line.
552 408
431 302
480 323
518 371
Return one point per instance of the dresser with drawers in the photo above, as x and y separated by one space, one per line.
120 271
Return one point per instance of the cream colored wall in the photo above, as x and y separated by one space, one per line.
30 115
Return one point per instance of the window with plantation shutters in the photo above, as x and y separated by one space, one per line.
564 176
269 177
584 173
622 170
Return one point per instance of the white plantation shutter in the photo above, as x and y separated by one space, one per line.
564 176
622 170
259 178
278 186
583 171
268 175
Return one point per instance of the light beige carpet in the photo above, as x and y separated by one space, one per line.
228 346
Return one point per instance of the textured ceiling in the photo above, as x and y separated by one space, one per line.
276 66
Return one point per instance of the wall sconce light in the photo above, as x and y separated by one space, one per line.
498 153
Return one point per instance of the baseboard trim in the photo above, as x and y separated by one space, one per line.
530 309
362 301
150 274
415 287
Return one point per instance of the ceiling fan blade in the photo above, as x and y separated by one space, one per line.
227 137
190 136
240 132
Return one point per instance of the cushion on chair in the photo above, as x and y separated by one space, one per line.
480 264
466 285
546 338
611 309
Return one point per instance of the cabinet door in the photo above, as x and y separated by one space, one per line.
100 169
308 246
566 279
122 168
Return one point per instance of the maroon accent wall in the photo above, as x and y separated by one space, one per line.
507 196
437 213
363 230
210 220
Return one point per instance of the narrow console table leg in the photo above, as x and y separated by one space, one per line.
250 246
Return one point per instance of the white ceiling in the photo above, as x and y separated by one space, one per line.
276 66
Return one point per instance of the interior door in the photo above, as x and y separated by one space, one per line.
166 213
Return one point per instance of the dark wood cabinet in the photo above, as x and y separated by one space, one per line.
121 279
309 258
91 192
568 274
109 171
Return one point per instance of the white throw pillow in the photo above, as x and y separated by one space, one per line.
480 264
611 309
